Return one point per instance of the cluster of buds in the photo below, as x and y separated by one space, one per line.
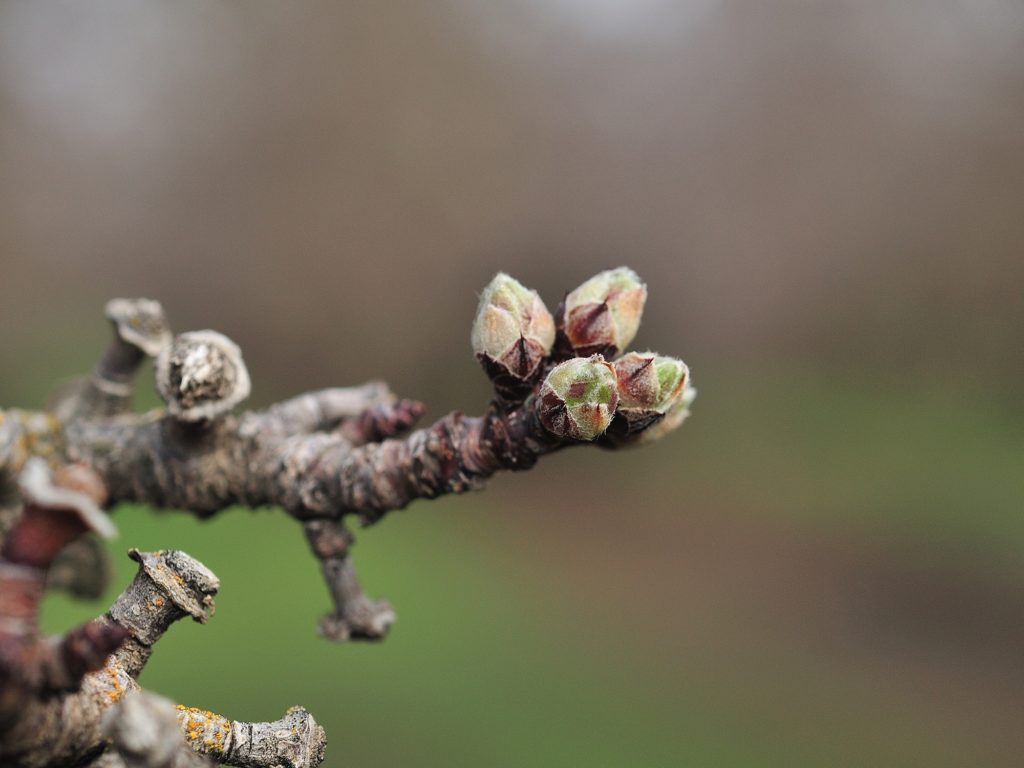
585 392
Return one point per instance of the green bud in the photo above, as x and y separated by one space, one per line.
603 315
649 385
578 398
512 333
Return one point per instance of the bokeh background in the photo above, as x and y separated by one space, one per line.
823 567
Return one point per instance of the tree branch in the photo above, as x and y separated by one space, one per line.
55 693
327 455
143 731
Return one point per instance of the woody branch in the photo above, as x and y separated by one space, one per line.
56 694
558 381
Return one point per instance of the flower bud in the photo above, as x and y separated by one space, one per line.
578 398
602 315
649 385
201 375
512 334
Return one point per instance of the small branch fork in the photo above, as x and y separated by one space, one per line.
63 700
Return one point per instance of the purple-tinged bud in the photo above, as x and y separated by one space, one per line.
512 334
577 399
603 314
649 385
201 375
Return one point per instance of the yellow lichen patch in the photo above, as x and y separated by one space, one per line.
19 454
116 688
40 436
205 731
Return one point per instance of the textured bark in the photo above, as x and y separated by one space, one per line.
148 731
143 732
355 614
282 457
294 741
51 726
263 458
140 330
47 729
36 672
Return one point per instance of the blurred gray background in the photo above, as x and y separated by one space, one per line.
827 200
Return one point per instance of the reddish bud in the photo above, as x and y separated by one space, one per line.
603 315
649 385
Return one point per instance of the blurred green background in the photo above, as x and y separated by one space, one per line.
823 567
